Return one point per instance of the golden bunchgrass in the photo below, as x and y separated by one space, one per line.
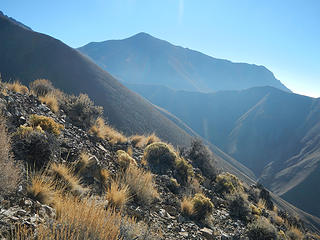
51 101
17 87
118 194
104 131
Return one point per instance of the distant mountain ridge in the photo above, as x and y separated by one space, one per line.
274 133
145 59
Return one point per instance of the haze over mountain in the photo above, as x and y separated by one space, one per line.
41 56
274 133
148 60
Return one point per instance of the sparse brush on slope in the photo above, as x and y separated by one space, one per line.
17 87
10 173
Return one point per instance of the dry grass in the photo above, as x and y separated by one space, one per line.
104 177
46 123
64 176
141 184
82 163
262 204
295 234
103 131
42 189
10 173
118 194
51 101
141 141
17 87
82 219
187 206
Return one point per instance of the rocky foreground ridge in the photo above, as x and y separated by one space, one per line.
144 189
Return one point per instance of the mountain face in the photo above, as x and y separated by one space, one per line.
27 55
274 133
147 60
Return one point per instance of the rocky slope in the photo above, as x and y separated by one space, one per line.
145 59
163 218
273 133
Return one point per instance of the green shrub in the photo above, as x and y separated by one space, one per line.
228 183
261 229
202 206
183 170
202 158
46 123
124 159
81 110
239 207
160 157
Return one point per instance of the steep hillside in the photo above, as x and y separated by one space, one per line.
98 189
28 55
273 133
148 60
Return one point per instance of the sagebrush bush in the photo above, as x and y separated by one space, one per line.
142 140
228 183
183 170
141 184
24 131
41 87
202 206
35 147
202 158
239 206
10 173
124 159
261 229
104 131
160 156
81 110
46 123
51 101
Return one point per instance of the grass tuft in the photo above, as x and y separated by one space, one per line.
51 101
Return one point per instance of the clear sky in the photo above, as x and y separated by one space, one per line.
283 35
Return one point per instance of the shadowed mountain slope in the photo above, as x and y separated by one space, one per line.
274 133
148 60
28 55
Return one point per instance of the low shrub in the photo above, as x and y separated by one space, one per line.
138 141
46 123
36 148
173 185
41 87
124 159
183 170
202 158
228 183
51 101
239 206
202 206
152 138
24 131
160 157
81 110
10 173
261 229
103 131
82 163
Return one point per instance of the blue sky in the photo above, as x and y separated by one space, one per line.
283 35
